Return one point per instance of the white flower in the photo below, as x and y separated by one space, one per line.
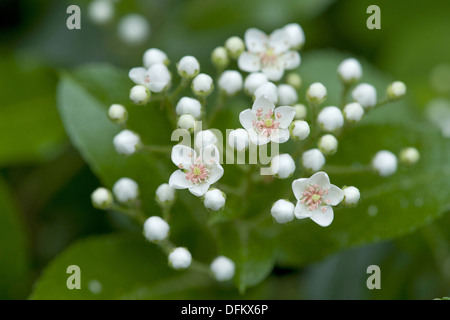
125 190
223 268
127 142
385 163
287 95
139 94
197 172
313 160
187 121
188 67
331 118
153 56
219 58
101 11
350 71
156 78
235 46
204 139
317 93
328 144
238 139
315 196
156 229
296 35
365 94
270 54
230 82
180 258
134 29
409 156
351 196
165 194
282 211
267 90
282 166
266 123
117 113
190 106
300 129
300 111
202 85
254 81
396 90
214 200
101 198
353 112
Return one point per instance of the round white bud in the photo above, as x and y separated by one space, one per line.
127 142
180 258
223 268
202 85
235 47
219 58
282 166
214 199
190 106
409 156
165 194
268 91
317 93
187 121
254 81
238 139
313 160
300 111
101 198
287 96
117 113
230 82
300 129
328 144
396 90
365 94
353 112
296 35
125 190
156 229
351 196
350 71
188 67
153 56
101 11
331 118
134 29
283 211
294 80
139 94
385 163
205 138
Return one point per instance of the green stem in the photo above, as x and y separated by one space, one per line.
221 99
181 86
344 96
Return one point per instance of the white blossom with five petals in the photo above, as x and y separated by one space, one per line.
156 78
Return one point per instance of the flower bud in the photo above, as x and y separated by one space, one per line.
396 90
219 58
188 67
409 156
300 129
133 29
235 46
317 93
223 268
102 198
300 111
351 196
238 139
350 71
282 166
268 91
230 82
202 85
313 160
293 79
205 138
153 56
165 195
385 163
156 229
101 11
214 199
330 119
118 114
287 96
126 190
190 106
127 142
366 95
139 94
254 81
283 211
187 121
328 144
180 258
353 112
296 35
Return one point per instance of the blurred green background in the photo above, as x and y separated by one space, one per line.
45 184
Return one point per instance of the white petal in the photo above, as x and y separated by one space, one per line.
159 77
301 212
321 179
274 72
246 119
335 194
137 75
210 155
178 180
287 115
216 173
182 155
291 60
249 62
299 186
279 41
282 136
199 189
323 219
255 40
263 103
